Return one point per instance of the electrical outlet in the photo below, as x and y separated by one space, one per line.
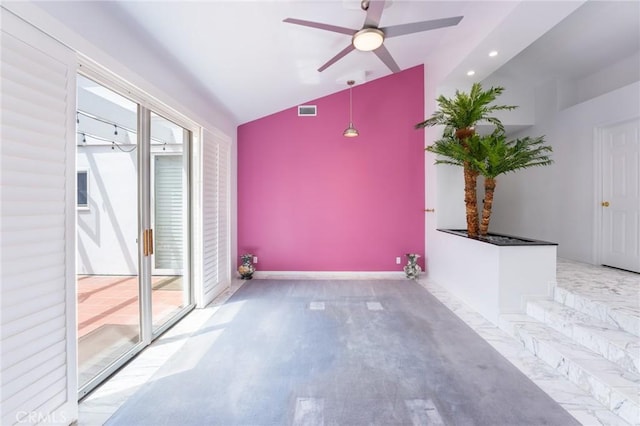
398 261
255 259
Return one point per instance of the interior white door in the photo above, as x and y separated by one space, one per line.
621 196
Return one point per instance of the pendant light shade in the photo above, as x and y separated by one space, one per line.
350 131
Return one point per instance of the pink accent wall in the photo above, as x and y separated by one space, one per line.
310 199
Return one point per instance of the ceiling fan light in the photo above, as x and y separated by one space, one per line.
368 39
350 132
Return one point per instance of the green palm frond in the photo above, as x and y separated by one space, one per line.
449 151
492 155
465 110
500 156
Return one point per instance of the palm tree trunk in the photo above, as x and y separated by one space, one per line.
470 185
471 200
489 188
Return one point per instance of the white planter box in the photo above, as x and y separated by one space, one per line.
493 279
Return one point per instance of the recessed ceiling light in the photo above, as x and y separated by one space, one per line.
493 53
470 73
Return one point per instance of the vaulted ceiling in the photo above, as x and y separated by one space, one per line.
242 54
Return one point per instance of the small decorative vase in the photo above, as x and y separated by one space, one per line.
412 269
246 269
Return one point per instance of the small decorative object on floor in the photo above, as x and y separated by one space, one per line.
412 269
246 269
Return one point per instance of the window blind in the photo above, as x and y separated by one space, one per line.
37 335
216 261
169 220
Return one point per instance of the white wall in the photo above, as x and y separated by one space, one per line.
557 203
107 229
614 76
516 93
443 186
94 30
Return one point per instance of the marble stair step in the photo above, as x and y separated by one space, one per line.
612 343
613 386
618 310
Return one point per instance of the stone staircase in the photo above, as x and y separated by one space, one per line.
590 333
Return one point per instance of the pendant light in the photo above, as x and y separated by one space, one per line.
350 131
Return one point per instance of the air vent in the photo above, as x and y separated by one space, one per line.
307 110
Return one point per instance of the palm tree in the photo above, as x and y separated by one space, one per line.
491 156
496 155
460 115
453 151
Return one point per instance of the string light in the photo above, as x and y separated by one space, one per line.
113 142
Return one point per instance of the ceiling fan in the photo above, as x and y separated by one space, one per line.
371 37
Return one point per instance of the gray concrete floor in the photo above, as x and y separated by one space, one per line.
337 352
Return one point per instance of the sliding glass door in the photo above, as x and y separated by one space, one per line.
107 229
132 228
169 219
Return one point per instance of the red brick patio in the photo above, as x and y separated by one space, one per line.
109 316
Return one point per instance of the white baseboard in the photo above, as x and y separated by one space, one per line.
330 275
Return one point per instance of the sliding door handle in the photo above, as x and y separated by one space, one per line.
147 242
150 244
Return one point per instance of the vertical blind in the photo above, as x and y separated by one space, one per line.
37 365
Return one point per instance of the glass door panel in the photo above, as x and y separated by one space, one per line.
107 230
170 290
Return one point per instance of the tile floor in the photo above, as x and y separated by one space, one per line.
586 409
102 403
613 292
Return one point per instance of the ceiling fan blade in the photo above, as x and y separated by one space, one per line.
335 59
320 26
384 55
374 12
416 27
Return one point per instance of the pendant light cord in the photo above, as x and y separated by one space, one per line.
350 83
350 105
350 131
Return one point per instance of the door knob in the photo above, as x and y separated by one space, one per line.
605 204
